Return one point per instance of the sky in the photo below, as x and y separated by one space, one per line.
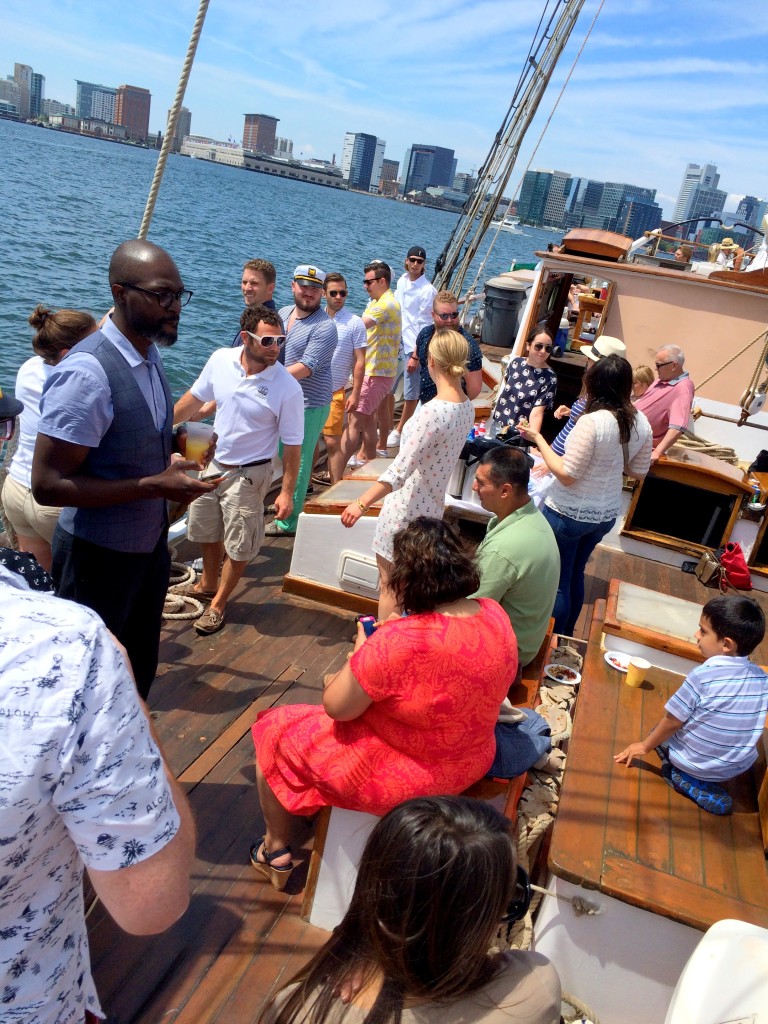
660 83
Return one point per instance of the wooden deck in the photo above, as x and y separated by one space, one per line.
240 939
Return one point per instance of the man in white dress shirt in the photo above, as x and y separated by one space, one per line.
415 295
258 403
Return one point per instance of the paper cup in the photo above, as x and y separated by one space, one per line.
198 441
636 672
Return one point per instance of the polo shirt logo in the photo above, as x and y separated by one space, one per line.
261 390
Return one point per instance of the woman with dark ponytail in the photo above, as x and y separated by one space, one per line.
437 879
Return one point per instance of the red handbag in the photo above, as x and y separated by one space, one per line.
735 567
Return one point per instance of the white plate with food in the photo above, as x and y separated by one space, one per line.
562 674
618 661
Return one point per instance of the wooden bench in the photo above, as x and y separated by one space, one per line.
340 835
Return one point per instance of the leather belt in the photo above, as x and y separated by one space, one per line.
244 465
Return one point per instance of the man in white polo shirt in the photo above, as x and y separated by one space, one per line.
258 403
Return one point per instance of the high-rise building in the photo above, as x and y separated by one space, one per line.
132 111
636 216
428 166
533 196
554 207
615 194
36 95
706 202
22 76
748 210
259 133
464 183
96 101
695 175
378 159
183 127
360 157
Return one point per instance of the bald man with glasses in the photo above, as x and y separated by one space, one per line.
668 401
103 454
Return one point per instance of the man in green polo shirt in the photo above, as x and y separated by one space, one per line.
518 559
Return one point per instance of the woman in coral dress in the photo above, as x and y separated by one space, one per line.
411 714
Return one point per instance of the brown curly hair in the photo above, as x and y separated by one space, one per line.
430 566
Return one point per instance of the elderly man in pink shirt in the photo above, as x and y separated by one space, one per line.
667 402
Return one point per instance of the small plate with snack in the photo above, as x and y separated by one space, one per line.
562 674
617 660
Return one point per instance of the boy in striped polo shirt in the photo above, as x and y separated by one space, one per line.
713 722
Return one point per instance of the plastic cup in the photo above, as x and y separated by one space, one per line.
637 670
198 441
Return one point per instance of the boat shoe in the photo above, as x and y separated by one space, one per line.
210 622
273 530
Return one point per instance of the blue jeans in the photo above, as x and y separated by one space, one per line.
576 541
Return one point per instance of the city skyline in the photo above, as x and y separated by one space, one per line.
659 86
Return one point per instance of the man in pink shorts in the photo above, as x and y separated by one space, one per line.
383 324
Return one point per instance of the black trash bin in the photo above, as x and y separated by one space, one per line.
503 300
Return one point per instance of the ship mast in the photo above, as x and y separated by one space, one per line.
557 22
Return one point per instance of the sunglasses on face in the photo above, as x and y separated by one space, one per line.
521 898
669 362
343 294
447 316
369 280
415 259
267 340
542 348
165 299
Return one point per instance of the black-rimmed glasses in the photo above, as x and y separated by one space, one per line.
660 366
369 280
165 299
267 340
415 259
521 898
333 295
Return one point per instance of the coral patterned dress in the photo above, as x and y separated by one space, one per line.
436 682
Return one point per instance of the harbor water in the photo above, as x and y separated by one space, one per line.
68 201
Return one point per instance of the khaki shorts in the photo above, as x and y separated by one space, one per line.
372 392
26 516
233 513
334 425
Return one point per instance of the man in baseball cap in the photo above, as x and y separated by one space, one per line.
415 295
311 339
10 408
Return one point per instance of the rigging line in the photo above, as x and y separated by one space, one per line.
735 356
481 269
173 118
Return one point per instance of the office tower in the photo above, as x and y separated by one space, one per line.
36 95
259 133
696 175
748 210
183 127
706 202
378 159
533 196
359 155
428 166
615 195
22 76
554 207
95 101
132 111
405 165
635 216
464 183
